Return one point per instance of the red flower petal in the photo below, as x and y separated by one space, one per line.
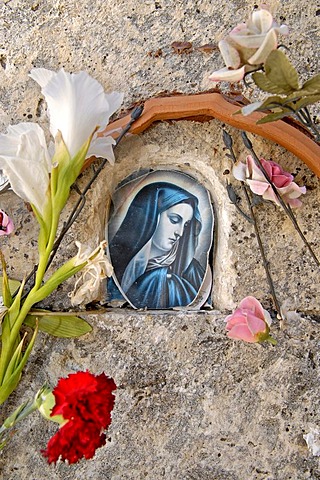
85 396
74 441
86 401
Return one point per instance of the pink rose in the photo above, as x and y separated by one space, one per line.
283 181
249 322
6 224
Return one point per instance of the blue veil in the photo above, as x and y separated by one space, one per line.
164 287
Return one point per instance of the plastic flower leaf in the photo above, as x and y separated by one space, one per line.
3 310
5 290
6 223
60 275
258 183
248 45
25 160
77 107
249 322
85 401
96 269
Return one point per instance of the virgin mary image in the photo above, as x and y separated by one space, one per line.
153 250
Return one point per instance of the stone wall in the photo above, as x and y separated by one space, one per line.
190 404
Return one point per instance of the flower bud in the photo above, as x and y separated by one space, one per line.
249 322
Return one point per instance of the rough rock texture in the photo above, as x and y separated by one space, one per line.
190 403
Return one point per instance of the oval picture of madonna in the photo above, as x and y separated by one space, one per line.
159 239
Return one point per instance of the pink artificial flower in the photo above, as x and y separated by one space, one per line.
283 181
6 224
248 45
249 322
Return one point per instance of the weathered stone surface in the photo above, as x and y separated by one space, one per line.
190 403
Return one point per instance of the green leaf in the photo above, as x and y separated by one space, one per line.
62 325
272 102
14 361
272 117
305 101
281 72
13 285
63 273
312 86
10 384
300 94
263 82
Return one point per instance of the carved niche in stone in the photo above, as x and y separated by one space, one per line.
160 237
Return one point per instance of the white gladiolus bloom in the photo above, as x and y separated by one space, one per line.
25 160
78 106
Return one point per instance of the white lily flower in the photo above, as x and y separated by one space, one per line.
97 268
78 107
25 160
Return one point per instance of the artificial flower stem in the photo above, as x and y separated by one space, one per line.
19 414
235 199
285 207
304 117
264 258
229 144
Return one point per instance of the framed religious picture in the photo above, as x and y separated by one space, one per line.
160 236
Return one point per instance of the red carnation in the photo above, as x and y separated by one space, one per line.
75 440
86 401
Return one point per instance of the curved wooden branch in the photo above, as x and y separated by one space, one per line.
215 105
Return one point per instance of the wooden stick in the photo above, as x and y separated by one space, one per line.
215 105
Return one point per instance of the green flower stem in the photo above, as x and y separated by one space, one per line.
44 257
21 413
271 340
11 336
17 312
